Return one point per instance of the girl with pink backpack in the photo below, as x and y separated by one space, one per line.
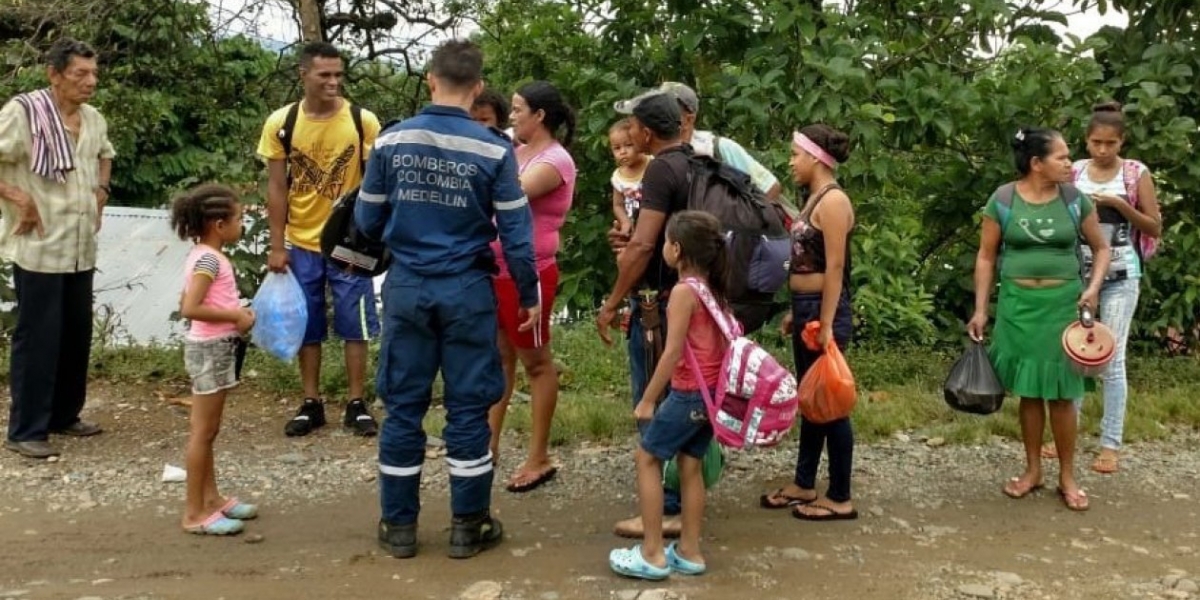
679 427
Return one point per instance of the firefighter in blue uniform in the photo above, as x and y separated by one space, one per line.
438 189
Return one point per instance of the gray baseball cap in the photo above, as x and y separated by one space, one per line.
682 93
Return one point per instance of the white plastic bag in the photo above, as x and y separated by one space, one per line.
281 315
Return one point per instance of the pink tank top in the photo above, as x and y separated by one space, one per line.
549 211
708 343
222 293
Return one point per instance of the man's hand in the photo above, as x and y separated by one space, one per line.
785 325
532 314
277 260
101 202
606 320
28 217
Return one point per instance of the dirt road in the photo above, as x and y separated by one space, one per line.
934 525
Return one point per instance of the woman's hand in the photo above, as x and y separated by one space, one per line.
1090 299
1107 201
824 336
976 326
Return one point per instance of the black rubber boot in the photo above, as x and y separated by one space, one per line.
399 540
473 534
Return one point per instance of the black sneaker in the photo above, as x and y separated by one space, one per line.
310 416
471 535
399 540
359 420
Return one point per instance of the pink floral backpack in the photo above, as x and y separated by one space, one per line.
1131 174
756 401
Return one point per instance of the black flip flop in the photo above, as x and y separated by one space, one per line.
764 501
545 477
831 516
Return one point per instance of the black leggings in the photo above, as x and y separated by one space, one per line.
837 435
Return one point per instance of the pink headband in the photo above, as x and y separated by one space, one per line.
812 148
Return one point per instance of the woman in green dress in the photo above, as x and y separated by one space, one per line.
1032 228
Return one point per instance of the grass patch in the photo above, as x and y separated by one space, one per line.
899 387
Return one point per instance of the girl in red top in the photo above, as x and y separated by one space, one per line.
680 427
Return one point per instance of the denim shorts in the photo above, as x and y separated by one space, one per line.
212 364
354 315
680 425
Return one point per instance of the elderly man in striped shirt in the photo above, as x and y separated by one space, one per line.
55 160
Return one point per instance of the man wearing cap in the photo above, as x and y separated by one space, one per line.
707 143
657 124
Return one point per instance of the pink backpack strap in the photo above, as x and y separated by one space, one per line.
709 401
1131 172
729 326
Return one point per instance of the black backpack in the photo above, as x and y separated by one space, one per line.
346 248
759 244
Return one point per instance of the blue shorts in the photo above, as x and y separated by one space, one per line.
680 425
354 315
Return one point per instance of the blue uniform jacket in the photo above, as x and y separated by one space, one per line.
437 189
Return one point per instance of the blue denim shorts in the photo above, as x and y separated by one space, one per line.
680 425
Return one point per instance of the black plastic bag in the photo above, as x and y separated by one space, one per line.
972 385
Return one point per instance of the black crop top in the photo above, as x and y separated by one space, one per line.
808 242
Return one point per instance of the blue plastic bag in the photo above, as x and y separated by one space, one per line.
281 315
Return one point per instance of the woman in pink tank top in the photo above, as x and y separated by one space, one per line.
547 174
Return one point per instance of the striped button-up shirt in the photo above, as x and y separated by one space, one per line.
68 209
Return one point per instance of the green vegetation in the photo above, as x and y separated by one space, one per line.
930 91
899 390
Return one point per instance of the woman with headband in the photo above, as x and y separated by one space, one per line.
820 276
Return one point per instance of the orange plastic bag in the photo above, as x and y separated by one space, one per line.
827 390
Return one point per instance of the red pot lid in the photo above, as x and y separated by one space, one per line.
1089 345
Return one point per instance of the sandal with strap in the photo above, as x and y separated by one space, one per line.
1076 501
681 565
1016 493
216 524
236 509
777 499
1105 465
630 563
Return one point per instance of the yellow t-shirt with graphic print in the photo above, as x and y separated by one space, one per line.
326 162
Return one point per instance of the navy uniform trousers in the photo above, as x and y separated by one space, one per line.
445 323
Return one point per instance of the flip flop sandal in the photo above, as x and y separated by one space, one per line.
1105 465
681 565
769 501
545 477
1018 495
830 514
1077 501
630 563
217 524
236 509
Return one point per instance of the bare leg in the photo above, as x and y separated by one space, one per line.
1033 422
508 361
1064 426
650 500
543 387
204 423
691 485
356 367
310 370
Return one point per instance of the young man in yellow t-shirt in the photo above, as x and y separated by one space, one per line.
326 158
